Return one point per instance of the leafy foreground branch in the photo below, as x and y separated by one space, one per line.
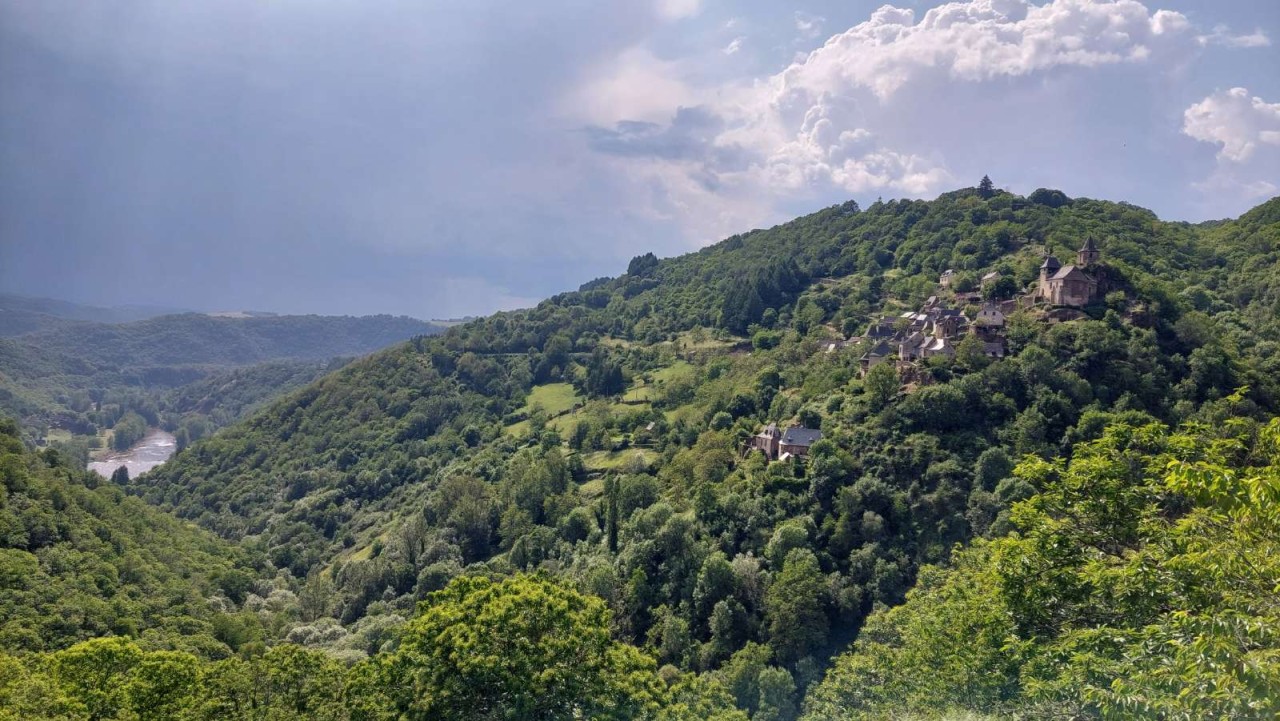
522 647
1140 583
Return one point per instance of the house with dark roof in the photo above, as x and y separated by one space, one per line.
881 330
874 357
796 441
776 444
919 346
989 316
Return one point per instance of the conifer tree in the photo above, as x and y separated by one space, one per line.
986 188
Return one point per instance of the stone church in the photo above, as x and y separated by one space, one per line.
1070 284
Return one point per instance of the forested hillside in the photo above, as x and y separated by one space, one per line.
195 410
1140 584
80 559
378 525
82 377
199 339
599 438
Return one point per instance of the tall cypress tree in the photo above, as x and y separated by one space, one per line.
611 512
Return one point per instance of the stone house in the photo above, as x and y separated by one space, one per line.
781 445
796 440
767 440
989 316
919 346
874 357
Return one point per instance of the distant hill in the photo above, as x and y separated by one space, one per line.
22 314
80 375
201 339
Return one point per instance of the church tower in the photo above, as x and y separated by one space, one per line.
1088 253
1048 268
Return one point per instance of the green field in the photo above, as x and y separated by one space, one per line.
690 341
617 460
679 369
642 390
554 399
592 489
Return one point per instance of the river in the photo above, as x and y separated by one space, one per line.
146 454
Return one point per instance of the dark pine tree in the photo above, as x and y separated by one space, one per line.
986 188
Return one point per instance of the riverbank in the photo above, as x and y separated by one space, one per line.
155 448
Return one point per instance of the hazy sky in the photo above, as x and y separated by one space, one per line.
449 158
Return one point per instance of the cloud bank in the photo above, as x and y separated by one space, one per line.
832 122
446 158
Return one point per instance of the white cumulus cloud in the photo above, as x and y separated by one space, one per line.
810 120
809 25
830 123
636 85
985 39
1234 120
1246 130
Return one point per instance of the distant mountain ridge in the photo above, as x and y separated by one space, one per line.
63 372
202 339
24 314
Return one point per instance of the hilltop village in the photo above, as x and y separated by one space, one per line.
910 338
936 328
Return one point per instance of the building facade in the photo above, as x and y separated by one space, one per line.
1070 285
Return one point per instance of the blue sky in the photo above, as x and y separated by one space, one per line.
440 159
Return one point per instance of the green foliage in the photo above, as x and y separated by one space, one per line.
1001 288
550 657
78 559
522 647
604 375
881 384
127 431
1141 583
795 607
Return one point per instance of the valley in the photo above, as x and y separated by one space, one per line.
71 381
777 478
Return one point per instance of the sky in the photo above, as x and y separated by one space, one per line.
441 159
